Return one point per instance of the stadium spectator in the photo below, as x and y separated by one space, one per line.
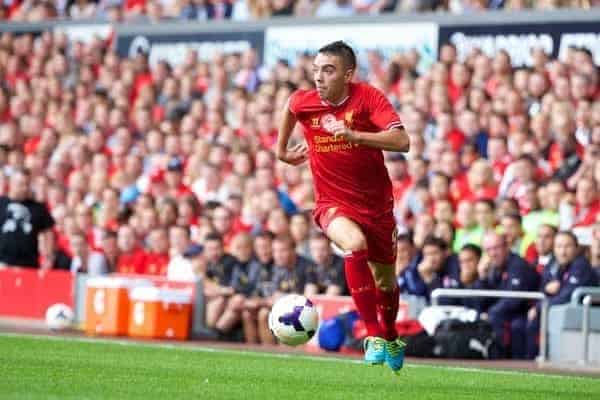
243 281
405 252
567 271
468 260
131 255
431 270
58 259
500 269
329 268
86 260
544 245
260 277
300 232
219 271
291 274
26 225
180 267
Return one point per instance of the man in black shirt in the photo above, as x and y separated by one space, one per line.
291 274
259 287
217 287
25 225
329 267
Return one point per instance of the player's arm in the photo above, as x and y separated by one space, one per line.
297 154
395 139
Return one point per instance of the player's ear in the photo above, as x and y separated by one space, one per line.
348 75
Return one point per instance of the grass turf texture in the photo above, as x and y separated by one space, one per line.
57 368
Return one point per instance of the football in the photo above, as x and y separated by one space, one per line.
293 320
59 317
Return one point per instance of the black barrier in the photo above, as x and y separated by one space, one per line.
173 47
519 39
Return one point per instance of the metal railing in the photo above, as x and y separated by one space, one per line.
507 294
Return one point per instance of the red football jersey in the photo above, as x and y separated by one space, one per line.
347 174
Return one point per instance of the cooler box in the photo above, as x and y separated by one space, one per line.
160 313
107 305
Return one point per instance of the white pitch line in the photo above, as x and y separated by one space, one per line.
282 355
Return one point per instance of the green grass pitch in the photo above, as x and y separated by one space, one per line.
61 368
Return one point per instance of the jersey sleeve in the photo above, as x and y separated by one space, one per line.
294 102
382 113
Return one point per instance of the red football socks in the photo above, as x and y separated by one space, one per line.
362 288
387 308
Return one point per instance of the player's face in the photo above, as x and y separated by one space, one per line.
330 76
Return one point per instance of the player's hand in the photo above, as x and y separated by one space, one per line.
339 129
295 155
552 287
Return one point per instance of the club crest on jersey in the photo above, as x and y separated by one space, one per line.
327 119
314 122
348 118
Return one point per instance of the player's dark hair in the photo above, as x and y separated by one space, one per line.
342 50
473 248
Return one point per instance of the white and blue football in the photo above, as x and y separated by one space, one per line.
293 320
59 317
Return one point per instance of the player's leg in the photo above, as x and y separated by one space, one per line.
387 294
347 235
232 314
214 309
380 235
266 337
381 242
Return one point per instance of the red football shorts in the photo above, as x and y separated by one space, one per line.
379 230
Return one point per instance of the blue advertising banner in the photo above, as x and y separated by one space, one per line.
173 47
518 40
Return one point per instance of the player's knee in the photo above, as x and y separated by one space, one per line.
356 242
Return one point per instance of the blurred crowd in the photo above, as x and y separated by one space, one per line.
242 10
169 170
